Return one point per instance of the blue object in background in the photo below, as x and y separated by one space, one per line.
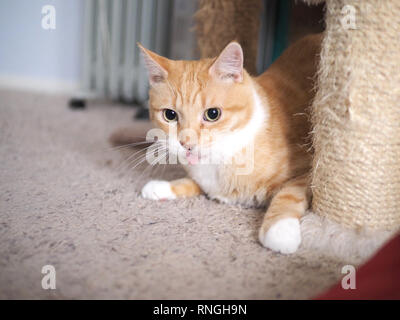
274 29
281 28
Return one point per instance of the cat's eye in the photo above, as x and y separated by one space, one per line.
170 115
212 114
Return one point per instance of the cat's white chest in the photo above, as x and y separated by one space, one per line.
207 176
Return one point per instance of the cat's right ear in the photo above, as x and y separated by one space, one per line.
156 66
229 64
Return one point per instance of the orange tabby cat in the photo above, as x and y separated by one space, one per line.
217 98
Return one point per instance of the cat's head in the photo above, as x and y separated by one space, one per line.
206 106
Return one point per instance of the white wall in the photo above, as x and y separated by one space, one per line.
34 58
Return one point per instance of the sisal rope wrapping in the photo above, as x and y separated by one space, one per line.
220 21
356 117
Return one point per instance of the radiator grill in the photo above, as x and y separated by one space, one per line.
112 63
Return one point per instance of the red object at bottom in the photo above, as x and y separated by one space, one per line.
378 278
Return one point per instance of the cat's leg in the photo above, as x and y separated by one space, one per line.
160 189
280 230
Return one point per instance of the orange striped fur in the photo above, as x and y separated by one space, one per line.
270 110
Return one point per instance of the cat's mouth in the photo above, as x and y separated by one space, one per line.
192 157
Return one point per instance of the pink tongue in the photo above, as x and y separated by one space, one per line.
191 158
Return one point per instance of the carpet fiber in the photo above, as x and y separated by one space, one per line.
69 200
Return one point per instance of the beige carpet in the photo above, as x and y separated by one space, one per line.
66 199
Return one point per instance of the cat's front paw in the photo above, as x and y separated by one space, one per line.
284 236
158 190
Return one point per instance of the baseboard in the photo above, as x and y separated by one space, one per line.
22 83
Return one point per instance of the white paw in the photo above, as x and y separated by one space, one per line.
157 190
284 236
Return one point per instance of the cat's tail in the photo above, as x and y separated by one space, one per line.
134 135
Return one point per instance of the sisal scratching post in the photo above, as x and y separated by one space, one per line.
220 21
356 116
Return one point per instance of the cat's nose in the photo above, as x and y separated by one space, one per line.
186 145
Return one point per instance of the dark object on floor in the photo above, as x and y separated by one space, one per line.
142 113
77 103
134 134
378 278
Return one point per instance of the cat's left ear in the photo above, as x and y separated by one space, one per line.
156 66
229 64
